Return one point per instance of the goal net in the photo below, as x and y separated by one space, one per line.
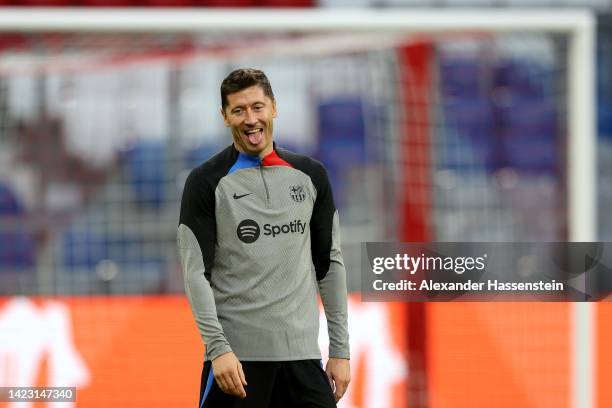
448 126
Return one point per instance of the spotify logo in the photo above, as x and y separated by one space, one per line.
248 231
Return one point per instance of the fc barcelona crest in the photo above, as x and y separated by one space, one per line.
297 193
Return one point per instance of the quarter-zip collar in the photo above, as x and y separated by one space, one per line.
245 161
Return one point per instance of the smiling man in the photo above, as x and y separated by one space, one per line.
254 220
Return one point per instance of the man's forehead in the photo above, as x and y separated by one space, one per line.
247 95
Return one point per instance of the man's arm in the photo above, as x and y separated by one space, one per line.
200 295
196 242
333 293
331 278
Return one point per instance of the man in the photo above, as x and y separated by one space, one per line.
254 219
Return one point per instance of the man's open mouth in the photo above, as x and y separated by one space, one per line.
254 136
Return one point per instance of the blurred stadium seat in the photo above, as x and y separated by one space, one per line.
605 119
17 250
526 78
530 136
85 248
472 121
145 169
198 155
341 118
462 77
17 243
341 140
9 205
123 258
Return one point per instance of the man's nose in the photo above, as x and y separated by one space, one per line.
250 117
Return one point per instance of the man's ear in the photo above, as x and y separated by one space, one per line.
224 116
274 113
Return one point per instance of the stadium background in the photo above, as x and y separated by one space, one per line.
425 139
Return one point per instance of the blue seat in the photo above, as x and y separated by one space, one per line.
198 155
471 135
85 248
17 250
141 268
530 135
341 139
605 119
145 166
341 118
527 78
604 88
531 116
9 204
528 117
461 77
537 156
17 243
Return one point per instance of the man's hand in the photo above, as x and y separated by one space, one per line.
229 375
339 372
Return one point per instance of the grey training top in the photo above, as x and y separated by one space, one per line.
250 231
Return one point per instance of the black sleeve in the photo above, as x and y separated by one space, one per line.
198 214
321 223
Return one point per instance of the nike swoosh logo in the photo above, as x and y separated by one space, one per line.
236 196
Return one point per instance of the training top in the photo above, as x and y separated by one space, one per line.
250 231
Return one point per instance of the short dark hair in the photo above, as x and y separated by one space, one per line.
243 78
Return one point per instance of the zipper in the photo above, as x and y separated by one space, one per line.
264 181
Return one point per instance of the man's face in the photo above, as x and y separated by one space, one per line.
249 114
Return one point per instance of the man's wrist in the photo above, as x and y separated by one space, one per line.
339 355
218 351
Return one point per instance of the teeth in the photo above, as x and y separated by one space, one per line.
248 132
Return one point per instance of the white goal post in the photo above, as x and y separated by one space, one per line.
578 25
